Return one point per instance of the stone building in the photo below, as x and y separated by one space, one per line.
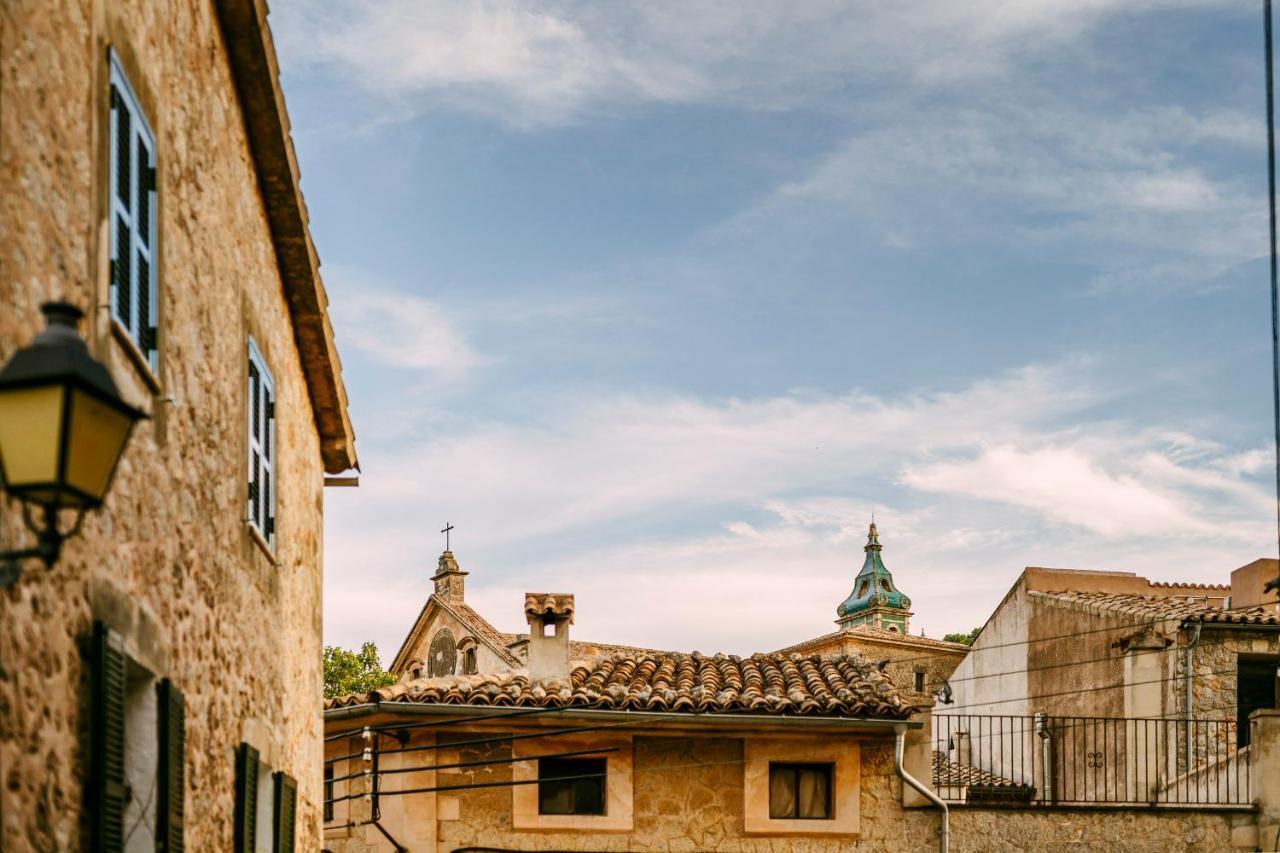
147 176
1097 689
657 751
875 622
626 751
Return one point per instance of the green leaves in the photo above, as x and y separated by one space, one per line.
347 672
967 639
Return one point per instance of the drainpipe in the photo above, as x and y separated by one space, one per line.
899 746
1186 682
1046 755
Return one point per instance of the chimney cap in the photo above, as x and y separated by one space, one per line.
554 604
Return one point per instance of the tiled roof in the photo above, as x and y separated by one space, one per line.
868 632
1159 607
481 627
778 685
946 772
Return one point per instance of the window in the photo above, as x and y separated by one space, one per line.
919 681
1255 688
469 662
132 216
328 792
265 807
137 760
800 791
571 786
262 445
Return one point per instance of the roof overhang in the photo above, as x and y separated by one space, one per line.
385 713
255 71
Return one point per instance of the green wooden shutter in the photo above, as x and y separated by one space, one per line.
171 717
246 798
108 792
286 810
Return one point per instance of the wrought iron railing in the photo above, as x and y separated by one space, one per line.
1047 760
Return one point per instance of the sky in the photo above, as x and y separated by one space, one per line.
658 302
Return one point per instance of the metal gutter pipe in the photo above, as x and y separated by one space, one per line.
899 747
1188 650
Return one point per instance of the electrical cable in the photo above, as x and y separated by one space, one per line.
1275 299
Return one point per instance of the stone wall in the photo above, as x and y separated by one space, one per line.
1098 831
688 796
169 560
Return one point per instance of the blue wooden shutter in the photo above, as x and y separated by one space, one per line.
108 792
284 819
171 777
246 798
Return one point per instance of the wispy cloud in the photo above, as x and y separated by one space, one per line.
686 501
397 329
543 63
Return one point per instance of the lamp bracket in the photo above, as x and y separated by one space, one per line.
48 545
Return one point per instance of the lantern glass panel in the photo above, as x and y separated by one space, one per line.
30 437
96 434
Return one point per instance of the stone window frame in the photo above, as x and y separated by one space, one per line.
619 789
468 646
845 756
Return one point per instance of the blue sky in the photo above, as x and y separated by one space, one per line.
658 302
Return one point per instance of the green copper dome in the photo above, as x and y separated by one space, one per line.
873 587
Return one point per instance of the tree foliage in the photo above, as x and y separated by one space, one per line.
347 672
967 639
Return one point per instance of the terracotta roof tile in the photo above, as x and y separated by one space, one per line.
548 604
947 772
1191 609
779 685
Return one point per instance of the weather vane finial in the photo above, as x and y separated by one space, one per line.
445 530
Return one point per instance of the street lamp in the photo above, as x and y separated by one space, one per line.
63 428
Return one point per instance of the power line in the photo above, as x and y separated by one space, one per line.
1275 300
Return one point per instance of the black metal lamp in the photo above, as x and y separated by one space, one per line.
63 428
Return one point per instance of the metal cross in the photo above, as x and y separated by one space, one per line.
445 531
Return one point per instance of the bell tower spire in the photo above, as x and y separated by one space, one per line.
875 600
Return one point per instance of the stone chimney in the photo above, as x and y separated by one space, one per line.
549 614
449 579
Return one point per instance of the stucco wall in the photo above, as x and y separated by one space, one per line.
995 668
169 560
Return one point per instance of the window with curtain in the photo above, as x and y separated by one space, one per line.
571 786
800 791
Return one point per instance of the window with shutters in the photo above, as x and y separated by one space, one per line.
132 217
262 447
137 759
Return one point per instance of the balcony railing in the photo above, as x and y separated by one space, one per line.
1089 761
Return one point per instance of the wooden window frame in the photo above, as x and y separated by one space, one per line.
260 395
138 332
